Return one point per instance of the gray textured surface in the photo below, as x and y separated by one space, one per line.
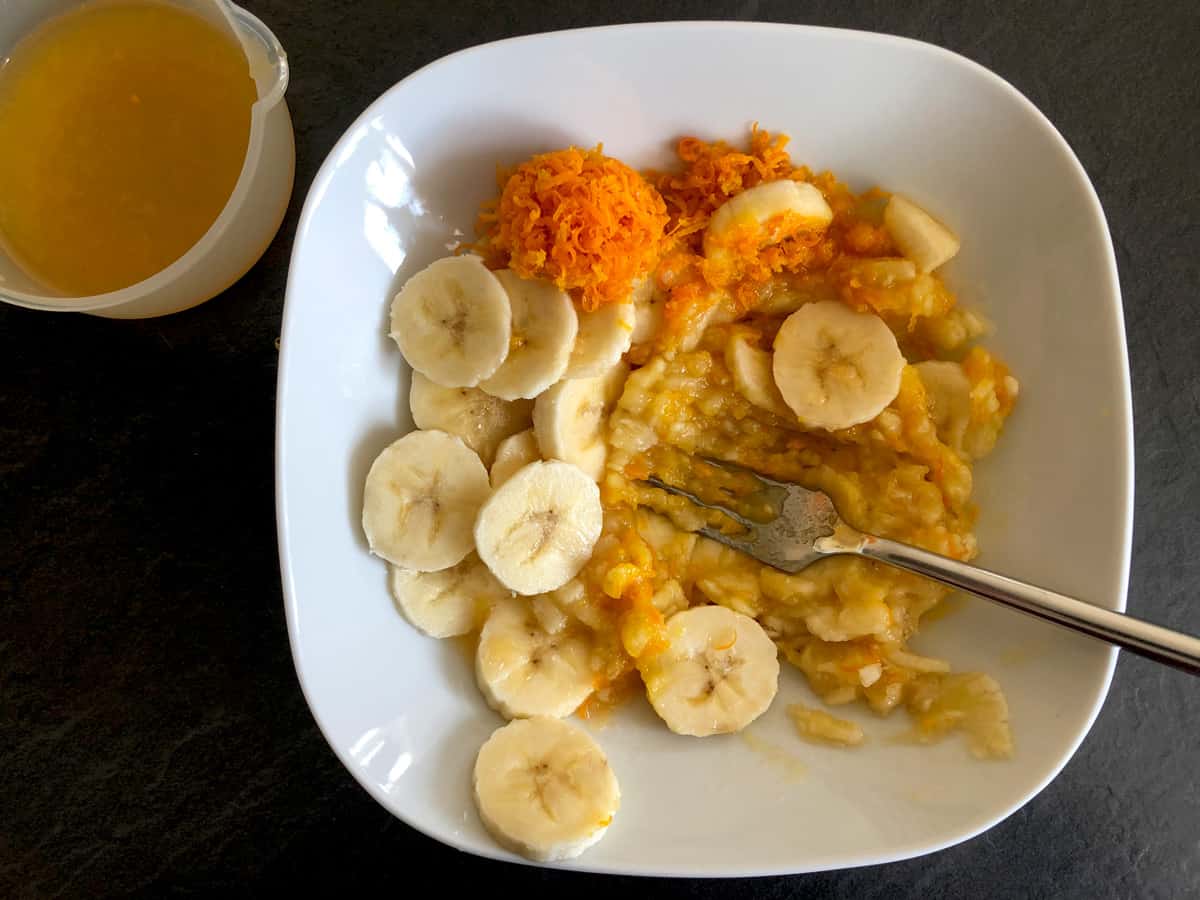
153 739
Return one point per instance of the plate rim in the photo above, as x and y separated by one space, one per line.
312 200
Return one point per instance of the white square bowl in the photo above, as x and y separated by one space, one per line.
401 711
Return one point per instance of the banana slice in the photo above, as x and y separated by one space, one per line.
524 669
718 674
721 309
773 210
649 305
544 325
836 367
604 336
446 603
514 452
538 529
452 321
949 393
723 575
481 420
672 547
571 418
920 236
787 294
753 375
544 789
421 498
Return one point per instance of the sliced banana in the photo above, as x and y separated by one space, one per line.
544 325
773 210
649 305
514 452
446 603
537 530
724 575
949 393
452 321
524 669
836 367
572 598
752 373
544 789
787 294
920 236
718 673
604 336
420 501
642 291
571 418
718 308
672 547
481 420
692 332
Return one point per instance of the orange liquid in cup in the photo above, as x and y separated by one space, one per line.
123 130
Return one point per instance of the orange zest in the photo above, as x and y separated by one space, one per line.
727 645
581 219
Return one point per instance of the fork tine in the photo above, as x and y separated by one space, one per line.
737 467
688 495
720 537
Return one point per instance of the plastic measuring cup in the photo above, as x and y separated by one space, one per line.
241 233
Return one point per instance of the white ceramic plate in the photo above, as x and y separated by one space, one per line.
402 712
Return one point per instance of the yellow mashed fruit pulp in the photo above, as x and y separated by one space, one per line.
905 474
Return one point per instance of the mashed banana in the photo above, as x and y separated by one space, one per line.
844 622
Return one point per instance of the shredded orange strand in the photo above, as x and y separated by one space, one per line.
583 220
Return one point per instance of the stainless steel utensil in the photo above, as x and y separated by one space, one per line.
805 527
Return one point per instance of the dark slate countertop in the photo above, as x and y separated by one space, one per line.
153 737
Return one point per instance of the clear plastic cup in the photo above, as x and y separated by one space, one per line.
251 216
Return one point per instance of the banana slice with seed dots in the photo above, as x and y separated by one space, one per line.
649 305
544 789
836 367
525 668
544 325
514 452
570 419
421 499
481 420
537 529
452 321
447 603
718 673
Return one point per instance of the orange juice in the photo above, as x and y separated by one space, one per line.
123 129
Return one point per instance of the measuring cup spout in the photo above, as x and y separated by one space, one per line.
268 61
253 212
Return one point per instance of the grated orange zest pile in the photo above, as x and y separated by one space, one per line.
581 219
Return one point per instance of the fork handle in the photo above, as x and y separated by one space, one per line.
1151 641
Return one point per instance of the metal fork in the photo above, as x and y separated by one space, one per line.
806 527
